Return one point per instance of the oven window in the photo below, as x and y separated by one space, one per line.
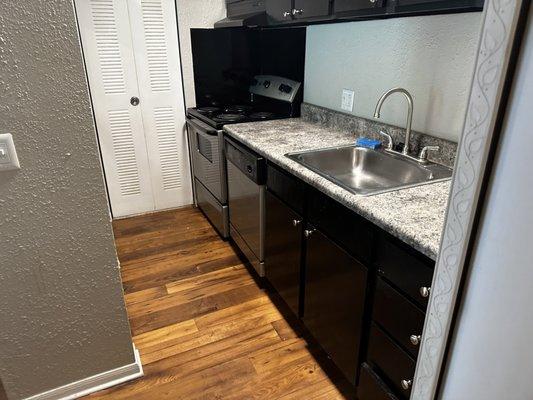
205 147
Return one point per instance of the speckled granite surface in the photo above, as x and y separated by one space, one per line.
416 215
370 128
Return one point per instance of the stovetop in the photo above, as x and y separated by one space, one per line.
217 117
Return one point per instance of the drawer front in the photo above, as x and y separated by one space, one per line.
407 271
390 360
287 187
400 318
347 228
372 387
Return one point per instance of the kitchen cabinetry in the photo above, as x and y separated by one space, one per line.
282 11
335 290
283 243
348 8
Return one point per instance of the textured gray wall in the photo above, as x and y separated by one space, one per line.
431 56
62 316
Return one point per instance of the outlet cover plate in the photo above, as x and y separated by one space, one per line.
347 100
8 155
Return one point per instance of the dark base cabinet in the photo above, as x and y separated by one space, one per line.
283 243
335 289
371 387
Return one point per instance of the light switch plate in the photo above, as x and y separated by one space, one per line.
8 154
347 99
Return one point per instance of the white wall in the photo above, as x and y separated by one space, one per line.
431 56
195 14
492 352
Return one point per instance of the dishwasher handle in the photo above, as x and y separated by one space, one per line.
248 162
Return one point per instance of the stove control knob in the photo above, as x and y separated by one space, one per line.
285 88
266 84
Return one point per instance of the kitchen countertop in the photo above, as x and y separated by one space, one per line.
415 215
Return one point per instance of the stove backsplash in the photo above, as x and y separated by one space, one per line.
226 60
370 128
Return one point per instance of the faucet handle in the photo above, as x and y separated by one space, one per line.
390 142
423 157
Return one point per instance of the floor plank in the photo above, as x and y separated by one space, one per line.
203 327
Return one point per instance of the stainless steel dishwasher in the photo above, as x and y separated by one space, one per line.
246 200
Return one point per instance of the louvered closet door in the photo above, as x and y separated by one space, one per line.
155 41
109 58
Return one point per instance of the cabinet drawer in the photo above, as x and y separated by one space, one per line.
372 387
406 270
389 359
344 226
397 316
287 187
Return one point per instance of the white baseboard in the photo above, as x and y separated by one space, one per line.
94 383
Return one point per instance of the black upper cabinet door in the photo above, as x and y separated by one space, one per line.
279 10
335 285
304 9
436 6
283 250
347 8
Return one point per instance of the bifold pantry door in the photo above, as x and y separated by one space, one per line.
132 58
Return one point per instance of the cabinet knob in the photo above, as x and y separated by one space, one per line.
372 1
424 291
406 383
415 339
297 11
287 14
296 222
308 232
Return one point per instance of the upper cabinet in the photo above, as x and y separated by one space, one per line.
305 9
284 11
303 12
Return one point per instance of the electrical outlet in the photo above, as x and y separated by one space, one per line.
347 100
8 154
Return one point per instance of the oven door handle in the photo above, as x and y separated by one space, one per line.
203 127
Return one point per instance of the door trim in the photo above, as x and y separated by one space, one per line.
500 34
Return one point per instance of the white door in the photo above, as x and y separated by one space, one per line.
131 50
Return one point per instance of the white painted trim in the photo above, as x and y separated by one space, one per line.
94 383
494 52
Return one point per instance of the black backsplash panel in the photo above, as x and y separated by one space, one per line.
225 60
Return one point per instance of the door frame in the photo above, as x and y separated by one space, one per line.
503 24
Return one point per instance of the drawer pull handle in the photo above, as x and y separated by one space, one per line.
415 339
406 384
296 222
424 291
308 232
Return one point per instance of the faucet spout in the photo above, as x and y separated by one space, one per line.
409 99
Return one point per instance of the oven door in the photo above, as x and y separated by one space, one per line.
206 145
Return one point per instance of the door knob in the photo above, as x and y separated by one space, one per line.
406 384
296 222
308 232
415 339
134 101
424 291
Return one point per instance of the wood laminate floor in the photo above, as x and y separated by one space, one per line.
204 328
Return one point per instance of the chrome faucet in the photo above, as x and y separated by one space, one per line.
409 98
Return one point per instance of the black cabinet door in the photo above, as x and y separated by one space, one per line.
279 10
353 7
436 6
310 8
283 250
335 285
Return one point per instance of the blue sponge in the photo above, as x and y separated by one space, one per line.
368 143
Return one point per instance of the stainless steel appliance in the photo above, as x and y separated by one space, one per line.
269 97
246 196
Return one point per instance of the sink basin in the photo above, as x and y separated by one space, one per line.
367 172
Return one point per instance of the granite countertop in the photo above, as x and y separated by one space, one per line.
415 215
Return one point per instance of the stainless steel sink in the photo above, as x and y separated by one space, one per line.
367 172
